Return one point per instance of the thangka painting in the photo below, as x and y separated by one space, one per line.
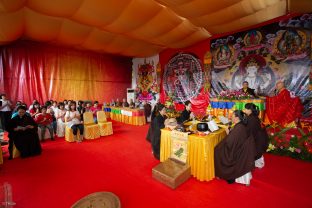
262 56
183 77
145 79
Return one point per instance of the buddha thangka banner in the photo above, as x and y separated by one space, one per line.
265 55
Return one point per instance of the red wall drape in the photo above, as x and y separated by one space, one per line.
30 71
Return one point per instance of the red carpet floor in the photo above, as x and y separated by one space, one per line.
122 164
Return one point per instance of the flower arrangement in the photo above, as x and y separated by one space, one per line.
147 87
171 110
293 142
234 95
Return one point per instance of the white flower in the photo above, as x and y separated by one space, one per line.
292 149
270 147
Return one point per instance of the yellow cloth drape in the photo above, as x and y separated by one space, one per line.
69 136
91 130
106 127
200 152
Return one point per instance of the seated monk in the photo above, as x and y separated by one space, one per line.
23 132
234 156
281 108
248 90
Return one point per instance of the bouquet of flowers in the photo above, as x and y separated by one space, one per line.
293 142
234 95
171 109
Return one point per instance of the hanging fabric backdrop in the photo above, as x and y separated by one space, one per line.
146 78
31 71
183 77
279 51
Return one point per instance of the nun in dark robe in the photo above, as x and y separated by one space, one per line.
154 114
23 131
259 134
186 113
235 154
154 133
147 110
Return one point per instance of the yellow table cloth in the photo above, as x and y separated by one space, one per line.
128 116
200 152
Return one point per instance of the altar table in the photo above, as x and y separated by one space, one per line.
200 152
226 107
128 116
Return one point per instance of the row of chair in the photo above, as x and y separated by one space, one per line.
92 130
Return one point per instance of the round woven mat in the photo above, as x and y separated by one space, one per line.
98 200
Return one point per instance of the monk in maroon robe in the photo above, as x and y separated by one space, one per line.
234 156
281 108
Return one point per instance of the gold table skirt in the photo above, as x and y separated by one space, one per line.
133 120
200 152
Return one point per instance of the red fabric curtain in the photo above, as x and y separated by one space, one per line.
33 71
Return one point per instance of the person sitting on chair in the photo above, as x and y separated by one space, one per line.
44 121
94 109
248 90
125 104
131 104
35 110
282 108
74 122
23 132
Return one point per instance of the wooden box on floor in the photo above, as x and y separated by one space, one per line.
172 173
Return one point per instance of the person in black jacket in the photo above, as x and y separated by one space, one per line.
187 113
155 133
23 132
259 134
248 90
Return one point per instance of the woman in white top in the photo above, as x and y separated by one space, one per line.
60 120
74 122
5 111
